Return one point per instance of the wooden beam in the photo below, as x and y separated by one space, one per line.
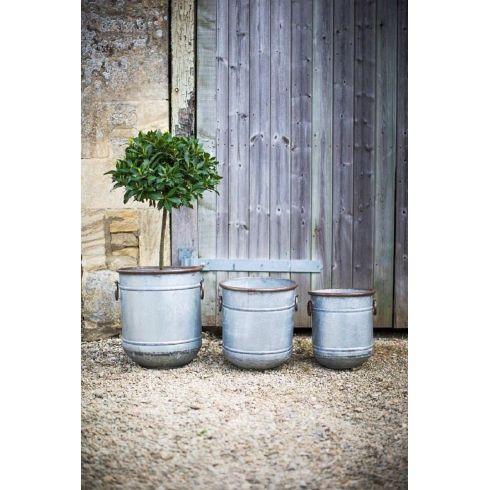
301 116
343 139
260 84
206 132
400 309
183 109
222 120
239 120
386 69
280 127
321 155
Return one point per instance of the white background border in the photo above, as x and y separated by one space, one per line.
449 276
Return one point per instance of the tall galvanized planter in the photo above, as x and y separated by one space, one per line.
342 321
161 314
258 321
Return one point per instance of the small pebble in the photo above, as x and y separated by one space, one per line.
297 426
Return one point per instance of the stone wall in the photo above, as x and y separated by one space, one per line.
124 90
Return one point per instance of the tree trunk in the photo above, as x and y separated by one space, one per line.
162 238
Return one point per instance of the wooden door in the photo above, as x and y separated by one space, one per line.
304 104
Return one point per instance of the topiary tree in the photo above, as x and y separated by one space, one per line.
166 171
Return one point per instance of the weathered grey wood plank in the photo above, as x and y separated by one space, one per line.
222 216
343 136
260 83
401 227
321 156
239 75
206 132
364 124
183 221
334 154
280 186
301 116
386 67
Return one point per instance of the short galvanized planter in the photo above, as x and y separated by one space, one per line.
161 314
342 321
258 321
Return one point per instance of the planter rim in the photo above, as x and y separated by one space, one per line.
226 285
155 271
341 292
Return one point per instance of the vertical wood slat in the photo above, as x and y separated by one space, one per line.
280 130
259 128
321 156
343 136
183 222
239 50
386 41
206 124
401 220
301 115
222 216
364 125
359 200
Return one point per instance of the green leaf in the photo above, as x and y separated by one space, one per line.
165 171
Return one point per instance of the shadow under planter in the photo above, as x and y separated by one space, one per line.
161 314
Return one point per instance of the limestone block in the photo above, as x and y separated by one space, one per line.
122 214
127 225
118 147
93 239
125 220
100 311
153 114
128 251
95 131
125 48
123 240
115 262
96 331
97 192
122 115
94 262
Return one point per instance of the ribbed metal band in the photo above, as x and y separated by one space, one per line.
341 293
257 353
357 310
237 308
156 344
351 352
174 288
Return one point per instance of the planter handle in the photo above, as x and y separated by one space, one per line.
116 292
220 302
375 307
296 303
309 307
202 288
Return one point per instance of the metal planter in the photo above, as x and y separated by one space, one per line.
258 321
161 314
342 326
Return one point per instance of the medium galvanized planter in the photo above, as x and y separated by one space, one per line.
342 326
161 314
258 321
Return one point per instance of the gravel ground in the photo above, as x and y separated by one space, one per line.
210 425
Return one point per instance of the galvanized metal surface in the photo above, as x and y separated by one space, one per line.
253 265
161 315
257 321
151 270
342 326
